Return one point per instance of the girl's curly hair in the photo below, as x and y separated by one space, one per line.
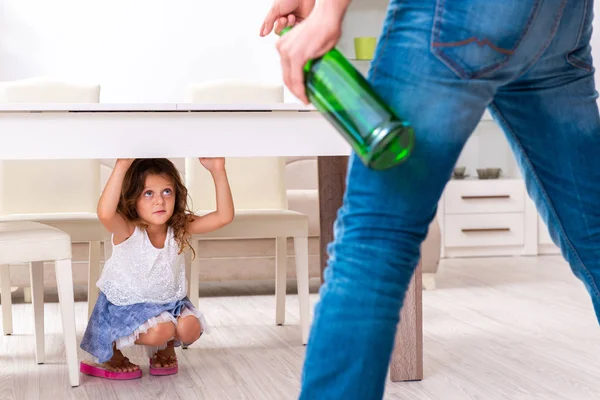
133 185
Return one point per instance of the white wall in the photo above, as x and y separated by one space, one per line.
147 50
138 50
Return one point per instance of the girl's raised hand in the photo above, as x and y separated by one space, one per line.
213 164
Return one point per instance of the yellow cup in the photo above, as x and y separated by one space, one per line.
364 47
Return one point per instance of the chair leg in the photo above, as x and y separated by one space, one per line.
27 294
194 284
301 250
188 269
36 275
6 299
66 298
429 281
280 279
188 274
107 249
93 276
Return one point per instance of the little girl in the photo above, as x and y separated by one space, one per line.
143 285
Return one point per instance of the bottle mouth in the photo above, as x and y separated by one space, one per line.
392 143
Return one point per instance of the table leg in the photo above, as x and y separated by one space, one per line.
407 357
332 183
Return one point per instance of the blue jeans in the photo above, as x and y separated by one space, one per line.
440 64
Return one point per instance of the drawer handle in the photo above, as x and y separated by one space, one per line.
471 230
498 196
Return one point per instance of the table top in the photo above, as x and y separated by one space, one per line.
152 107
111 130
176 130
163 107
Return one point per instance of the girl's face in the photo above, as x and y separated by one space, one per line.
156 203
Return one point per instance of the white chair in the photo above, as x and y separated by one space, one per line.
46 90
60 193
259 194
34 243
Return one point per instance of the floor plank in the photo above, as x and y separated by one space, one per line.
496 328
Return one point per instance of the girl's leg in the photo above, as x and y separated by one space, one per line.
158 335
165 358
118 363
188 331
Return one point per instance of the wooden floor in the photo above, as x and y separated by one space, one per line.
509 328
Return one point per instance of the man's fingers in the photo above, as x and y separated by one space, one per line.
297 86
293 57
296 75
292 66
285 61
270 19
291 20
275 22
281 23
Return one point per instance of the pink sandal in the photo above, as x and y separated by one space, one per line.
99 371
161 371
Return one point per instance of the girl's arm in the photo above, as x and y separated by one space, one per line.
107 206
225 211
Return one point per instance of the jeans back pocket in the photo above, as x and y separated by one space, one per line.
476 37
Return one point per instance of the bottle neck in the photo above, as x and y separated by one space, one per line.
285 30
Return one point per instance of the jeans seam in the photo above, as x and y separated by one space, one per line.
580 33
557 19
547 199
454 65
577 62
384 42
572 59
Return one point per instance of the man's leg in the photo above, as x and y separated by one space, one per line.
551 118
438 64
383 220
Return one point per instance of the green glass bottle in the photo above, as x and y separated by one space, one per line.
378 136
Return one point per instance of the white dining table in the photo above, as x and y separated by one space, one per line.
176 130
31 131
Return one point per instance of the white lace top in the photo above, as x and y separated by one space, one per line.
138 272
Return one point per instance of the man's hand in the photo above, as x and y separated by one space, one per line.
286 13
312 38
318 31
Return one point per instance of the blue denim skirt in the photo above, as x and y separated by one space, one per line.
110 323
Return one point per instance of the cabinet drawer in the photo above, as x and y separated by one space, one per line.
478 230
484 196
543 233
